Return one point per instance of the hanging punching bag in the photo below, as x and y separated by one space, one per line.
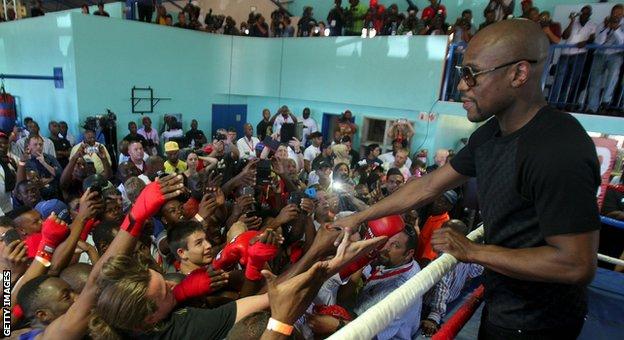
7 111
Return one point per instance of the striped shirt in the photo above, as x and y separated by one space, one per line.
449 288
378 285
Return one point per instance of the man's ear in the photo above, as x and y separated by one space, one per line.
521 74
44 316
409 255
181 252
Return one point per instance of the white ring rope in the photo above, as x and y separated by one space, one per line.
611 260
378 317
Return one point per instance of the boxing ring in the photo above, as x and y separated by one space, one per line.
605 318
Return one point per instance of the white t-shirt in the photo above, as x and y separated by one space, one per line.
311 152
388 157
309 126
171 134
578 34
247 148
279 121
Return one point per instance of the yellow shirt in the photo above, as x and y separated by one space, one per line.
180 167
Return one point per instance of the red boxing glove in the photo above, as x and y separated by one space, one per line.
52 234
195 284
385 226
257 255
235 251
89 225
17 313
147 204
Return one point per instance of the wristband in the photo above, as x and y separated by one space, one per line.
22 163
279 327
199 218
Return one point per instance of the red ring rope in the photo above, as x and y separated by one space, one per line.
453 325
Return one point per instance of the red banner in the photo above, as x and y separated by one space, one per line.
607 152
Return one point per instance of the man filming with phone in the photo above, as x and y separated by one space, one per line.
94 151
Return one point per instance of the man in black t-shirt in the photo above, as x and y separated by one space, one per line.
62 147
133 136
195 137
264 128
537 174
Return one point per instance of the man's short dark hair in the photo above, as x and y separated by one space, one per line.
103 234
131 123
394 171
177 234
169 16
412 239
466 11
371 148
19 211
28 120
345 139
29 296
6 221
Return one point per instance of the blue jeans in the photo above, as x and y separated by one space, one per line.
567 78
604 74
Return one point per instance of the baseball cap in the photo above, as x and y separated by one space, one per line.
46 208
171 146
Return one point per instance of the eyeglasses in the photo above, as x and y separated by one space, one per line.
470 76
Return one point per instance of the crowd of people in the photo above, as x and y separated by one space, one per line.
180 227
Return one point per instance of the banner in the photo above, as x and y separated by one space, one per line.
607 152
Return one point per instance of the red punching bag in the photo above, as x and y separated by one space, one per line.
7 111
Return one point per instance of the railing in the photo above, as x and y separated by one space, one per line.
588 80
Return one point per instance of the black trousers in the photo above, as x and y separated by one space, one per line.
145 12
488 331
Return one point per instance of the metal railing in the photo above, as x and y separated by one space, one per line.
588 80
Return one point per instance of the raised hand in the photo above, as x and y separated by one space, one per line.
287 214
200 282
350 250
289 299
262 248
14 255
53 232
207 206
91 204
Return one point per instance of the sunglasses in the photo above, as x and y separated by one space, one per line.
470 76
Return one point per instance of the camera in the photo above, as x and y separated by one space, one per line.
219 137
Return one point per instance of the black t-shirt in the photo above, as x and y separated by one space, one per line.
613 201
195 135
196 323
261 129
537 182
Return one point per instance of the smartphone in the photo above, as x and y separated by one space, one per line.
271 143
295 198
247 191
10 236
263 171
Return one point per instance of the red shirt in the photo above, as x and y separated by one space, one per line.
433 223
429 12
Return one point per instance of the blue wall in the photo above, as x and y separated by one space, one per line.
385 77
35 47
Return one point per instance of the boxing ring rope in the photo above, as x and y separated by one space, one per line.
611 260
455 323
378 317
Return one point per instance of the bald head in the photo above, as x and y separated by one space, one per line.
509 40
504 66
76 276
